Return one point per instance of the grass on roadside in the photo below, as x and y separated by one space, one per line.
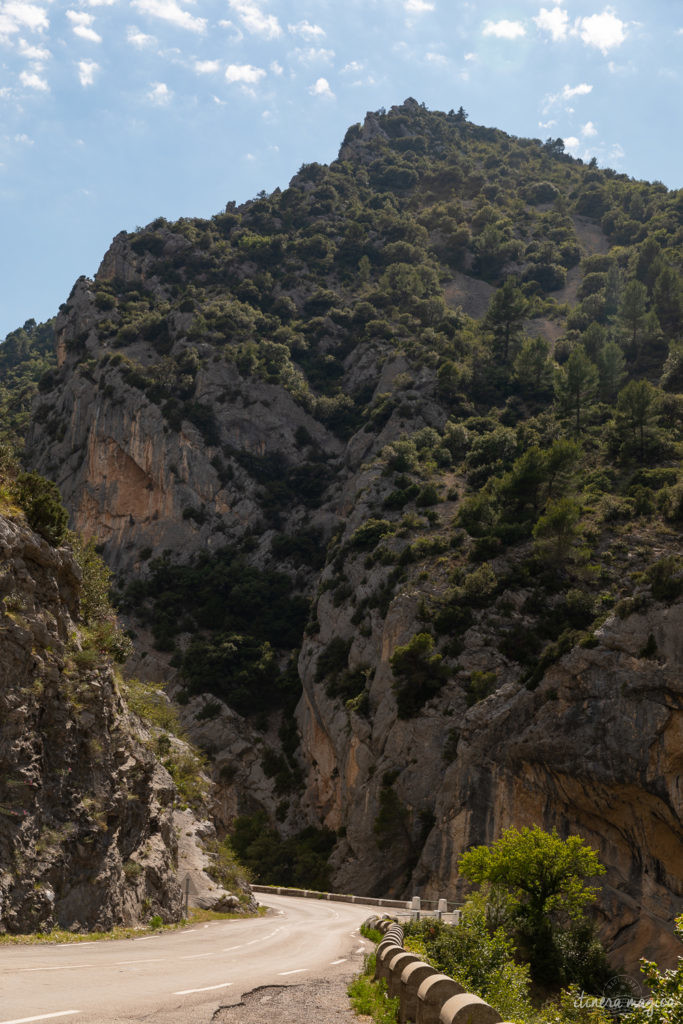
61 935
369 998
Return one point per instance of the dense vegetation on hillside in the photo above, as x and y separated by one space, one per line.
534 440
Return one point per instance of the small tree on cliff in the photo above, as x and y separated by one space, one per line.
543 880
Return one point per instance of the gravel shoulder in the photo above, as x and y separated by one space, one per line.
318 1001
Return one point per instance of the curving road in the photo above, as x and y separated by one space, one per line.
180 976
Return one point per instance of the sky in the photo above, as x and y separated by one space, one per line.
115 112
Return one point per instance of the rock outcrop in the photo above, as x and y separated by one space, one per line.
88 838
595 750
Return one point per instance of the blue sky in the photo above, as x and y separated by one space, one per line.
114 112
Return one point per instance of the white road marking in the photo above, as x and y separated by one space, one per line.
361 949
156 960
299 970
199 956
209 988
69 967
333 963
42 1016
229 949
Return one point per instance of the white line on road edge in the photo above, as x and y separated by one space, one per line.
209 988
333 963
157 960
41 1016
199 956
229 949
299 970
67 967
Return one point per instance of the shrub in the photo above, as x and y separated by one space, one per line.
42 505
371 532
420 674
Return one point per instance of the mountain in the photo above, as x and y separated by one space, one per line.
388 467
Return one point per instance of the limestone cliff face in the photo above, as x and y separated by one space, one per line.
126 477
88 838
595 750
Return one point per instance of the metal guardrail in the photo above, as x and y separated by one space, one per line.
415 908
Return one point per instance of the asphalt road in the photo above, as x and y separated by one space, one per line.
182 976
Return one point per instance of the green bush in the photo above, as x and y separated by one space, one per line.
42 505
419 674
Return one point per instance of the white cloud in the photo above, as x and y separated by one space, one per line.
602 30
589 129
546 124
276 67
244 73
568 91
25 139
36 54
137 38
207 67
159 94
254 19
555 21
577 90
81 25
86 72
435 58
571 144
617 152
470 56
100 3
504 29
418 6
354 67
168 10
31 80
321 88
17 13
314 55
308 31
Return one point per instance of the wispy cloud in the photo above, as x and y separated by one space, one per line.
353 67
569 91
603 31
504 29
81 25
555 21
255 20
38 55
321 88
589 130
307 31
168 10
418 6
87 70
160 94
140 39
245 73
435 58
31 80
314 55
